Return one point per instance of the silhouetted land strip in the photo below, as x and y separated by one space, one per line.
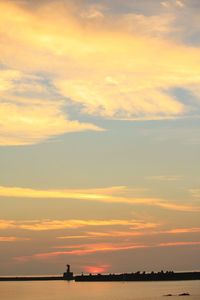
160 276
31 278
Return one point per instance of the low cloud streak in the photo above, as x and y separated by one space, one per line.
43 225
88 249
106 195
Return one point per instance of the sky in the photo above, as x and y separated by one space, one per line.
99 136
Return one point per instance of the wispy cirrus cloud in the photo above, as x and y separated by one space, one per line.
173 4
119 194
165 177
90 194
184 230
6 224
35 121
88 249
106 234
195 192
81 250
105 63
28 115
175 244
124 227
129 233
43 225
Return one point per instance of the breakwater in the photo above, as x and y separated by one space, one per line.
31 278
159 276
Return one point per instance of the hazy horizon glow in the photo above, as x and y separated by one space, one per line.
99 135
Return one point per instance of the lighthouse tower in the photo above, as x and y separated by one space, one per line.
68 275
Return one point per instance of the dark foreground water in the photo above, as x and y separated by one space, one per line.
61 290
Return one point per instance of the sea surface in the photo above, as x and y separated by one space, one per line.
62 290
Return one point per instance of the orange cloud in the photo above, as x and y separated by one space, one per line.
178 207
174 244
7 224
120 194
82 250
130 233
116 234
42 225
12 239
184 230
102 235
87 194
64 224
87 249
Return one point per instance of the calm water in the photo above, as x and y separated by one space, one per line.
61 290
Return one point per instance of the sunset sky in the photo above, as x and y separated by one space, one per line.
99 135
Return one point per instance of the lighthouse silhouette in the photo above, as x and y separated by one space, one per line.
68 275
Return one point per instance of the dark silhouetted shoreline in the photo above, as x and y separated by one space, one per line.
31 278
160 276
68 276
